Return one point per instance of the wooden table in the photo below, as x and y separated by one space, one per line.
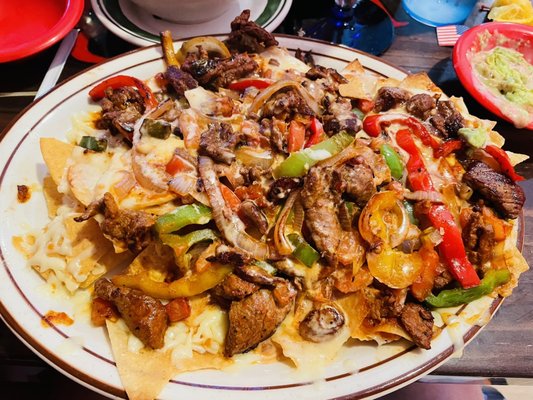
503 349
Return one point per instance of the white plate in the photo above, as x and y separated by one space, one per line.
82 352
131 23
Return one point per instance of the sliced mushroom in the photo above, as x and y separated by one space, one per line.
321 324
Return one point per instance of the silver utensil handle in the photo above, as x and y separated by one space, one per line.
54 71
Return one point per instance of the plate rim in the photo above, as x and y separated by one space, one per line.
464 69
103 387
71 14
100 9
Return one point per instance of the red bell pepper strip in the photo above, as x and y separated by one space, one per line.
505 163
230 198
452 247
249 82
296 139
448 147
115 82
364 105
317 133
373 125
417 173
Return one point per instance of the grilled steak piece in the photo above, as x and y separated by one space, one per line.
129 227
418 322
478 238
180 80
320 205
281 188
447 121
234 288
121 108
356 181
251 211
340 117
255 318
218 142
330 74
282 105
390 97
247 36
505 195
306 57
215 73
230 255
421 105
145 316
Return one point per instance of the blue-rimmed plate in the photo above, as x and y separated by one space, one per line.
135 25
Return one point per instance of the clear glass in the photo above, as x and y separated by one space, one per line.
360 24
439 12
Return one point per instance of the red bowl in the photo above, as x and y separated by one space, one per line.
521 40
30 26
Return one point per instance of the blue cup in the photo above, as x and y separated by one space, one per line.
439 12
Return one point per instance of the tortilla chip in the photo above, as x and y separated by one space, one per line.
157 259
355 307
517 158
88 242
108 262
56 154
355 89
354 67
421 81
145 373
386 82
53 198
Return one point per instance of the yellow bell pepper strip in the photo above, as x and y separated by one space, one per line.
395 268
422 286
184 287
393 160
452 247
115 82
455 297
303 251
298 163
182 216
505 163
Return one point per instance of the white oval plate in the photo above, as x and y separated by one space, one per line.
135 25
82 351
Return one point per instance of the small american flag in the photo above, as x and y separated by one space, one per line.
448 35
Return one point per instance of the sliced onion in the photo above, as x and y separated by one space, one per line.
124 185
268 92
250 156
229 224
420 195
183 184
280 240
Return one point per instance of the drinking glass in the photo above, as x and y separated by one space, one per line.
360 24
439 12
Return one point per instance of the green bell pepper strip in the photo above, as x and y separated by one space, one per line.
303 250
182 244
158 129
455 297
91 143
393 160
182 216
299 162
